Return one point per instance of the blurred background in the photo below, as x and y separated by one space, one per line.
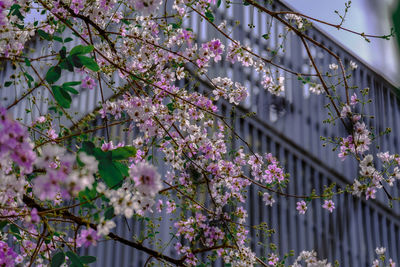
368 16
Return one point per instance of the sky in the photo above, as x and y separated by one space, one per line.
369 16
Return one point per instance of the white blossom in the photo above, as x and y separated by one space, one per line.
353 65
104 227
333 66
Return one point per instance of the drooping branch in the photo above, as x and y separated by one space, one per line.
31 203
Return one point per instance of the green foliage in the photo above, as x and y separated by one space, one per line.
61 96
53 74
87 259
111 170
15 10
7 84
81 50
3 224
88 63
62 93
396 22
123 153
110 173
76 261
209 16
109 213
58 259
44 35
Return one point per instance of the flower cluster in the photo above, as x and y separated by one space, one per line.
272 173
86 238
297 19
241 257
146 179
212 49
381 255
310 258
333 66
12 189
301 207
146 7
371 178
329 205
275 88
105 226
136 195
358 142
8 257
224 87
15 143
199 227
12 39
4 5
63 176
316 89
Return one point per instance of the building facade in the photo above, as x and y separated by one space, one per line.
289 127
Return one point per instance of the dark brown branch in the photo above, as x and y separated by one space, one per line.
31 203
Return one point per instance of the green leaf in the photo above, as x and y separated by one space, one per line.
219 3
58 259
63 52
209 16
44 35
68 39
58 39
87 259
20 26
81 50
110 173
89 63
27 62
67 87
7 84
30 79
53 74
127 22
87 194
265 36
72 83
14 229
175 26
101 155
75 61
396 22
71 90
28 76
122 168
61 28
122 153
2 224
15 10
109 213
74 259
88 147
171 107
67 64
61 96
